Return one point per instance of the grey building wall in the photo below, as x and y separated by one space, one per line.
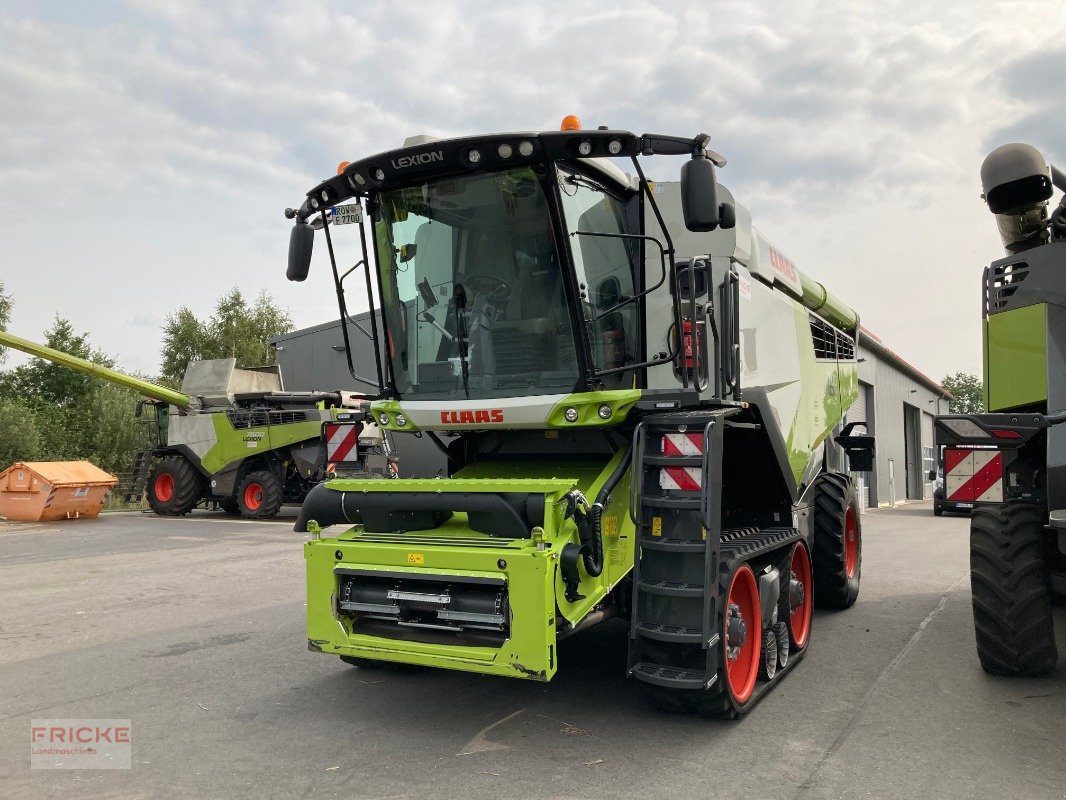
313 359
894 389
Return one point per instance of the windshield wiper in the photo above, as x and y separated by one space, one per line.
459 296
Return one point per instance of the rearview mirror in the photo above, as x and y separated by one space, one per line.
301 243
699 197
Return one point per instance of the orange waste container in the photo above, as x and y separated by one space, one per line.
43 490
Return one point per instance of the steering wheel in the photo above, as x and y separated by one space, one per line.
488 284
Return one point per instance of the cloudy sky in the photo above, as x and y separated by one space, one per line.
150 146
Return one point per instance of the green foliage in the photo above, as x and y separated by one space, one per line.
19 440
42 383
968 396
235 330
52 413
5 316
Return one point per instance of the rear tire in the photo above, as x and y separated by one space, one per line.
174 487
230 506
1011 590
837 542
259 495
938 510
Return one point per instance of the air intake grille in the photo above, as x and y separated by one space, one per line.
1002 282
261 419
830 342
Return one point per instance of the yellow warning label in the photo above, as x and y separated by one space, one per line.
418 559
703 532
656 526
610 526
551 434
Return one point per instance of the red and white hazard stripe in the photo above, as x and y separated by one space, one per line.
973 476
341 440
685 479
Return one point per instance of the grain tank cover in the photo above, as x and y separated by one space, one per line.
217 381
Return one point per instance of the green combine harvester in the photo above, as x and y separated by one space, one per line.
1010 464
233 437
640 401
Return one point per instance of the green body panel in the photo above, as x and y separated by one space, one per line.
236 445
1016 358
818 299
828 388
587 405
535 589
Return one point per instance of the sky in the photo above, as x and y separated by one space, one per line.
150 147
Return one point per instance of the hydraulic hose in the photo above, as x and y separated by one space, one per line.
589 525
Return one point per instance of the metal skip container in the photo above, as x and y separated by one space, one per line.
49 490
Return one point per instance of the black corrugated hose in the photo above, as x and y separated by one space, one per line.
589 525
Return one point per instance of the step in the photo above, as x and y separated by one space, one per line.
673 545
673 461
671 677
675 503
671 589
670 633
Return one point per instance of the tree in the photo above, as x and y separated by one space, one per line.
968 393
235 330
18 433
5 316
42 383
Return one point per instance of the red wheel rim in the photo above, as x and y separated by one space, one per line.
253 496
851 543
164 486
742 662
799 617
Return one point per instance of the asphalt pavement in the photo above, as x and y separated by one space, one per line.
193 628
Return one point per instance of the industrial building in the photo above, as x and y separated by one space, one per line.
896 400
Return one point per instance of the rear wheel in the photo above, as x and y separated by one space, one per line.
259 495
837 542
1011 590
174 487
230 505
797 597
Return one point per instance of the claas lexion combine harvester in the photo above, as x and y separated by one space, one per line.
640 401
233 437
1011 463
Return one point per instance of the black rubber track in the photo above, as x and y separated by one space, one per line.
1011 590
272 495
188 487
833 495
707 702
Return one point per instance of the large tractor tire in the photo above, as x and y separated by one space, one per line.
230 506
837 542
174 487
259 495
1011 590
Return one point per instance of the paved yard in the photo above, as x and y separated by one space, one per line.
193 629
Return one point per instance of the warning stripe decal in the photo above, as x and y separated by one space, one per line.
684 479
341 440
973 476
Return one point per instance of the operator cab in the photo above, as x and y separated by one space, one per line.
511 265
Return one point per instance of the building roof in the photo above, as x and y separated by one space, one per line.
872 341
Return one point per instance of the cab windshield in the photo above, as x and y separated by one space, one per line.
472 288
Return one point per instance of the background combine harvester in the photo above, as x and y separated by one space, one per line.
1011 464
234 437
637 395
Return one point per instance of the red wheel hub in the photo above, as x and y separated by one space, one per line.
800 591
164 487
743 619
851 543
253 496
